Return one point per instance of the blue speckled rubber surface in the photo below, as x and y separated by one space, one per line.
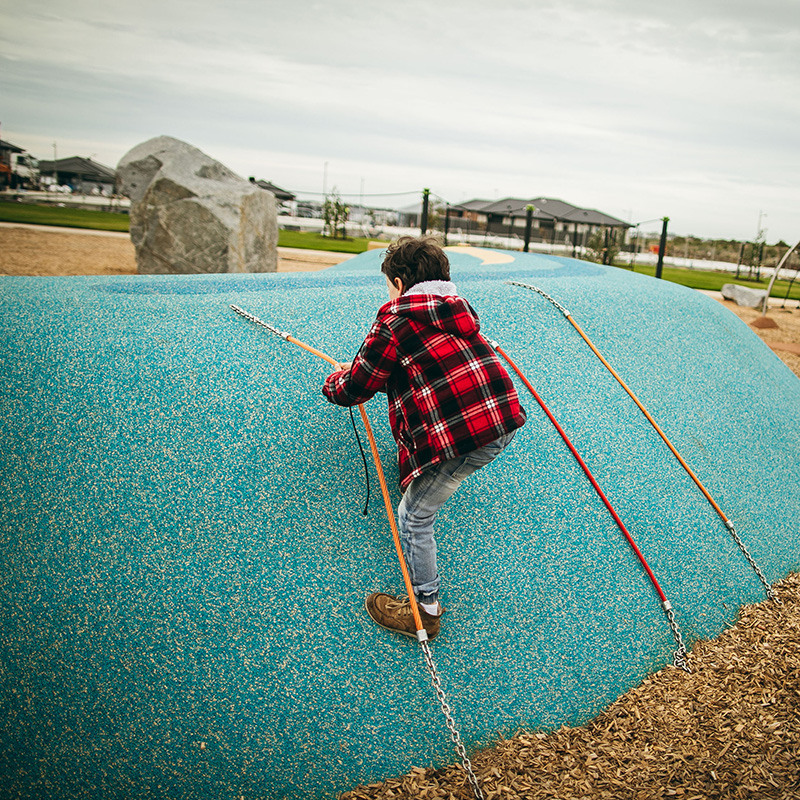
184 561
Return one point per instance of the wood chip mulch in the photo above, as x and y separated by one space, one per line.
731 729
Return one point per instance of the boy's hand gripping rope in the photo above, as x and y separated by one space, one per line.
728 524
680 657
422 635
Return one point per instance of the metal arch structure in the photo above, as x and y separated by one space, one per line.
775 276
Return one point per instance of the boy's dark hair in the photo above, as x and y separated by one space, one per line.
415 260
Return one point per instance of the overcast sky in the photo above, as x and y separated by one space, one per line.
686 108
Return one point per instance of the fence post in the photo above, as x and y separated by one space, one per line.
528 225
662 247
423 225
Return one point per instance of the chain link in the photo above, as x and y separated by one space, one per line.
728 524
253 318
543 294
769 590
680 657
451 725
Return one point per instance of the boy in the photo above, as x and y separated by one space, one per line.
452 407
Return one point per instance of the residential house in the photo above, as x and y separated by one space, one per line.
82 175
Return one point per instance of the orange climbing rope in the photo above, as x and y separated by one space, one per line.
422 634
728 524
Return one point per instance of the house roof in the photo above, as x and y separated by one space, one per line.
509 206
512 205
553 207
281 194
77 165
12 148
594 217
545 208
471 205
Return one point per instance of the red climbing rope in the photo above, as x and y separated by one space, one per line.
588 472
679 656
726 522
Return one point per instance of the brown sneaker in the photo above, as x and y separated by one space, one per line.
394 614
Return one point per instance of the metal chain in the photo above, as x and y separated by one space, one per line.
543 294
451 725
257 321
769 590
728 524
679 658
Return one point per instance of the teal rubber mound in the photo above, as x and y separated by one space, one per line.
185 561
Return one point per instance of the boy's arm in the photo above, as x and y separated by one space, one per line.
369 372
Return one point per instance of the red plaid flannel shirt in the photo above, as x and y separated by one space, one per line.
448 392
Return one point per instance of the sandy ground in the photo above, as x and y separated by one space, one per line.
41 251
728 731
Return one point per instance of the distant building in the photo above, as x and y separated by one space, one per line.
18 169
310 209
410 216
82 175
281 195
553 220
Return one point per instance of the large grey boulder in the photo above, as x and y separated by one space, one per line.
744 295
189 213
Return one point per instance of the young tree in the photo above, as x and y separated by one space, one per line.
602 246
334 215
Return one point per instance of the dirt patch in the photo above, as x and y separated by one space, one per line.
42 252
25 251
785 338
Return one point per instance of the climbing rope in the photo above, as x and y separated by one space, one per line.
680 658
728 524
422 635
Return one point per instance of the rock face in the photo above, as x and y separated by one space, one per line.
189 213
744 295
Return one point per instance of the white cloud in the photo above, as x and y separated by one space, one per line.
686 109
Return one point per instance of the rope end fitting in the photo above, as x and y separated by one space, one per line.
422 636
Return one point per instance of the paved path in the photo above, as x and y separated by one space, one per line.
58 229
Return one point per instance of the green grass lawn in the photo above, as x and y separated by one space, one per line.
714 281
63 217
108 221
313 241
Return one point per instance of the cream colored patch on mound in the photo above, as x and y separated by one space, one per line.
487 256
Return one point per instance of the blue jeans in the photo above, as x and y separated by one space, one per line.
423 498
